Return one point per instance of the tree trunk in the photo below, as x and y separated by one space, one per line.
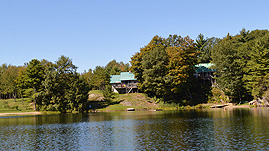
35 98
14 96
188 94
22 96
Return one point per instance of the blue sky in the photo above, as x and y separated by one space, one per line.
92 32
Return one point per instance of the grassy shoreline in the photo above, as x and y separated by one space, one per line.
20 113
106 110
120 102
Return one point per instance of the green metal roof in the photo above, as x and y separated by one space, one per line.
124 76
115 79
204 67
127 76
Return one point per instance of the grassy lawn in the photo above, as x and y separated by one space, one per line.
20 105
121 102
115 107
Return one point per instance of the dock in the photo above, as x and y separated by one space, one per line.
130 109
219 106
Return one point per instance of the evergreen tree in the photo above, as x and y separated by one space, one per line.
257 63
107 93
227 61
204 47
201 43
100 78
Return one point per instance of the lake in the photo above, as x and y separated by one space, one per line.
205 129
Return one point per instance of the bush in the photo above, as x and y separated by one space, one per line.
157 100
107 93
49 107
218 96
266 96
199 106
14 107
6 106
169 105
29 100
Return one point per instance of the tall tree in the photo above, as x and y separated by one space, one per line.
112 68
154 72
201 43
137 59
204 46
8 80
47 100
227 59
32 76
63 89
100 78
257 63
87 76
180 67
3 68
66 71
164 67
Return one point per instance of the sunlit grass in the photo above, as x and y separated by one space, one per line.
18 105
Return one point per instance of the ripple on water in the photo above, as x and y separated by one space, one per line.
168 133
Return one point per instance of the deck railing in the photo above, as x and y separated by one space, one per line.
129 85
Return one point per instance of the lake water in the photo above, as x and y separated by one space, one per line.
213 129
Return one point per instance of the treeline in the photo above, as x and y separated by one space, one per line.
8 86
55 86
242 63
165 67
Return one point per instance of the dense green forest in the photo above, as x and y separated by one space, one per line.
164 69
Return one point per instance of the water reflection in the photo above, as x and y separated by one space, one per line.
238 129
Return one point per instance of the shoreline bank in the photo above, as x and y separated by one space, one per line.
20 113
39 113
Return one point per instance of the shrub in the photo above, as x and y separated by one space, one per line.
157 100
107 93
14 107
266 96
199 106
6 106
217 96
168 105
